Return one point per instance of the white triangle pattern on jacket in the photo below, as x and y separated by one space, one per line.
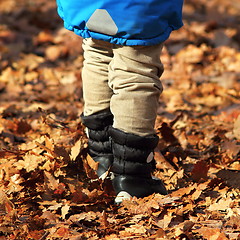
102 22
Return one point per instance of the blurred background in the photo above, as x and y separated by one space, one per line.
38 56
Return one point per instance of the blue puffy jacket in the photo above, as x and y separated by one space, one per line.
124 22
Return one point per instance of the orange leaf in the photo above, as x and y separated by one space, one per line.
62 232
212 233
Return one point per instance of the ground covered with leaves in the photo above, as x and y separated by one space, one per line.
46 191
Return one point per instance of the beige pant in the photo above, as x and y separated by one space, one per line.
124 79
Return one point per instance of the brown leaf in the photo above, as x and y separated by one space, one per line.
136 229
61 188
47 149
23 127
160 233
3 238
53 53
232 148
198 191
183 228
232 178
78 196
212 233
50 217
104 221
93 165
51 182
36 234
184 191
75 150
167 133
65 210
6 206
200 171
30 162
221 205
236 129
62 232
192 54
161 161
167 220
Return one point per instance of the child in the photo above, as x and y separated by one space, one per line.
122 42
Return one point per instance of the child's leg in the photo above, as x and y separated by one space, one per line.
97 116
134 77
96 92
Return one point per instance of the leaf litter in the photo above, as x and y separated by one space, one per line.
48 188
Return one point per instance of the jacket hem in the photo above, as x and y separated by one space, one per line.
84 33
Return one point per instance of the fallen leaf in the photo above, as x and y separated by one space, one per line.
6 206
64 210
221 205
30 162
75 150
51 182
212 234
136 229
200 171
93 165
236 128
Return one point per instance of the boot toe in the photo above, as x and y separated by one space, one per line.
123 195
129 186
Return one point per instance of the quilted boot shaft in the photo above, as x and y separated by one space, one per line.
133 165
133 155
99 143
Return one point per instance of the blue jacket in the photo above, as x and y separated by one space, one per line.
124 22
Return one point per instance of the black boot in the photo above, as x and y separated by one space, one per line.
133 165
99 143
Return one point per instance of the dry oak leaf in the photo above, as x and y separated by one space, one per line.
61 233
93 165
65 210
112 237
137 229
75 150
160 234
164 223
50 217
184 191
51 182
192 54
221 205
30 162
6 206
236 129
232 148
212 233
183 227
200 170
23 127
200 188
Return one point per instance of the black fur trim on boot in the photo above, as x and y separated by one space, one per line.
133 165
99 143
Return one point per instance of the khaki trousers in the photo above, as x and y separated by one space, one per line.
124 79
